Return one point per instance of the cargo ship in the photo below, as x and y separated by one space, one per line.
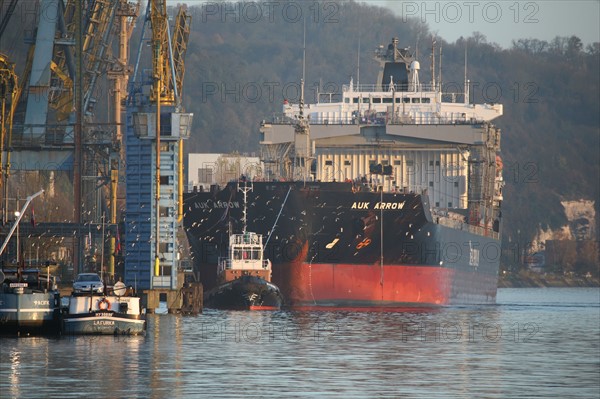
389 197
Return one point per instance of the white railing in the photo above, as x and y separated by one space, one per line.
379 120
226 264
461 225
404 88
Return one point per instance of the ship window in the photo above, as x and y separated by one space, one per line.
365 100
355 100
449 204
346 100
397 162
455 184
377 100
416 100
398 100
347 163
237 254
406 100
410 163
430 163
437 204
426 100
165 180
385 162
437 163
329 162
430 184
388 100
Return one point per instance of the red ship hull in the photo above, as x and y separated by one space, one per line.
393 285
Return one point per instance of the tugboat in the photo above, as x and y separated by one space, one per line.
116 312
244 276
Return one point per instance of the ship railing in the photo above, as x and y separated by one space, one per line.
404 88
462 225
450 95
378 119
224 263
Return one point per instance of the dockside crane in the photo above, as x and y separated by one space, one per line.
156 124
9 95
56 127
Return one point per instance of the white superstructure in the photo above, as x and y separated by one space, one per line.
426 136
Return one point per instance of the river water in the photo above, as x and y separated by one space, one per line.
534 343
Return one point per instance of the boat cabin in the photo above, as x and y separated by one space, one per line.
244 258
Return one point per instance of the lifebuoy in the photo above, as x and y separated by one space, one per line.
103 304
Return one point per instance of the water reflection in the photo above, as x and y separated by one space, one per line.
493 351
15 364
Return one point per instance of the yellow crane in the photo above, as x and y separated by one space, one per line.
9 96
168 69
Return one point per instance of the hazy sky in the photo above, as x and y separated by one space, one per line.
500 21
505 20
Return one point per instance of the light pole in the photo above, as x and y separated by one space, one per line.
17 214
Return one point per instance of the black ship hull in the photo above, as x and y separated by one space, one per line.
332 244
244 293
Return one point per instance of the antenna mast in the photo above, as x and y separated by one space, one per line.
245 189
466 81
440 69
358 56
301 105
433 41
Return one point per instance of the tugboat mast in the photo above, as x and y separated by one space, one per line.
245 189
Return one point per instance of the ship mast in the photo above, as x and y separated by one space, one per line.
467 95
433 41
245 189
302 147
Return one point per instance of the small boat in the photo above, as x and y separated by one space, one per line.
29 303
244 276
116 312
